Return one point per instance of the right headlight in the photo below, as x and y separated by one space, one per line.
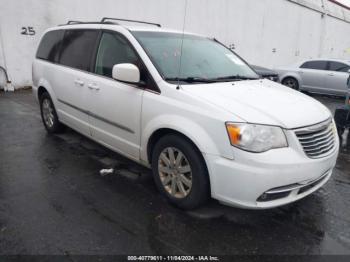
256 138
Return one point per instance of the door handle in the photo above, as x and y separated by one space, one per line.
331 74
79 82
93 87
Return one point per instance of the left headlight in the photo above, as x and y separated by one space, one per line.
256 138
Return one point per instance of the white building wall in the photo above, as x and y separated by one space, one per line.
264 32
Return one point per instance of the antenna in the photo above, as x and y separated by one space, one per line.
182 43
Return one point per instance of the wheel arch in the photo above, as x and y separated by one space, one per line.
44 86
294 76
161 132
41 91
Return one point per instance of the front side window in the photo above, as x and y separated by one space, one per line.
49 46
77 48
316 65
339 67
113 50
184 56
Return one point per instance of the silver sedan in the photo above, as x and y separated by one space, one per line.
323 76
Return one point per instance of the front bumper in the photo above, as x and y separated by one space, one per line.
243 181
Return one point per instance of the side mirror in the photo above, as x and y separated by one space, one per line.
126 73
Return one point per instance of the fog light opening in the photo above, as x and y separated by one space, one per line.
265 197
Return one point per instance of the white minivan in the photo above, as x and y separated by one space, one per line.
187 107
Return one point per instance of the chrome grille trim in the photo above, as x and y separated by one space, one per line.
320 143
296 186
316 135
318 140
282 192
329 136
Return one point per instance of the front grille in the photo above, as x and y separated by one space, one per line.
318 140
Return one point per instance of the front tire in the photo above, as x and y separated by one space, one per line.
291 82
49 115
180 172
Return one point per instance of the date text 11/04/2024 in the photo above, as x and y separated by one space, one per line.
173 258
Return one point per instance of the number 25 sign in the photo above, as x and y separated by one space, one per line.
27 30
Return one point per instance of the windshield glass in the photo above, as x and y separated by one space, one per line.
202 58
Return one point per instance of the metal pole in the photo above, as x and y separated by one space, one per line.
5 72
2 48
8 86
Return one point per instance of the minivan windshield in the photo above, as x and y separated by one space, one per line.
203 60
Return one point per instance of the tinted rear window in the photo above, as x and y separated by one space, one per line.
318 65
50 45
77 48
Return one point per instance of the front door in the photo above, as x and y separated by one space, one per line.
313 75
115 107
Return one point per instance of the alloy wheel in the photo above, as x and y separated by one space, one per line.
291 83
48 113
175 172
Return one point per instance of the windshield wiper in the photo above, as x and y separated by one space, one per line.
190 79
234 78
209 80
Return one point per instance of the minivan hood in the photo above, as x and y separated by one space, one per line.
263 102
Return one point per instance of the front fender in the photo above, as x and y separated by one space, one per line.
197 134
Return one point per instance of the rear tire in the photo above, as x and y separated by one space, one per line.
179 172
291 82
49 115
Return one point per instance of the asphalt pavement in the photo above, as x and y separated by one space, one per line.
54 201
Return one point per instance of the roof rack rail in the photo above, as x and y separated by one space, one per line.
104 20
73 22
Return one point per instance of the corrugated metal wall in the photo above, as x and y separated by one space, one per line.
264 32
